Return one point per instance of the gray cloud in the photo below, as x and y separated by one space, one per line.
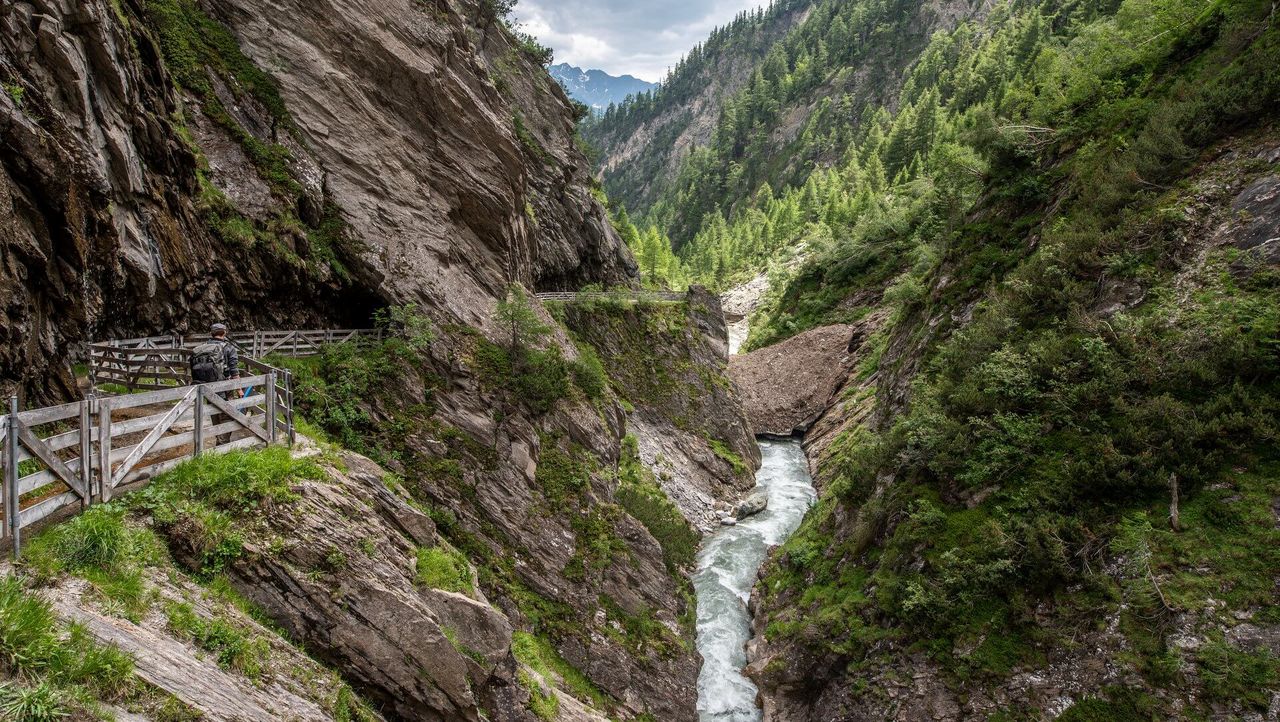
619 37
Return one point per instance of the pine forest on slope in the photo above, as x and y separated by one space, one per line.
1052 220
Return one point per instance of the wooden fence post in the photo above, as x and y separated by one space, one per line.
13 510
86 450
104 450
271 408
197 432
288 406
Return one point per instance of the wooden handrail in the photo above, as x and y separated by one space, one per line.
117 442
638 296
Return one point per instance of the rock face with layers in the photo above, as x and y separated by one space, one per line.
670 362
152 177
362 612
451 152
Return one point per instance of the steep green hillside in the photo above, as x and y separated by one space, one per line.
644 142
1070 222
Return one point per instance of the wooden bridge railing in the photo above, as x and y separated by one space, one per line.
162 362
65 458
636 296
62 459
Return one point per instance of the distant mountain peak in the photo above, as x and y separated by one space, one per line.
596 88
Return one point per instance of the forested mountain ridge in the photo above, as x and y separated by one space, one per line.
644 142
1049 482
831 65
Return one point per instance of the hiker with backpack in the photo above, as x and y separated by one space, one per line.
216 360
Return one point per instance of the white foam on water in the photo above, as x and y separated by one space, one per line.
727 567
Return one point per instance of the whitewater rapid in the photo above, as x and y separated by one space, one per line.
727 567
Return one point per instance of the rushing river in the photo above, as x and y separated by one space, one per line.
727 569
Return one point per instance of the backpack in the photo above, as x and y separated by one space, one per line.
208 363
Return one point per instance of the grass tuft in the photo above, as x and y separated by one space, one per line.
439 567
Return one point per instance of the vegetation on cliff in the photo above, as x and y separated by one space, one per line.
160 555
385 400
1040 215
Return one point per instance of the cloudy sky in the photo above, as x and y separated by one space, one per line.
625 36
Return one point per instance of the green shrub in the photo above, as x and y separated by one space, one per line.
240 482
41 703
562 475
539 655
202 504
1231 674
543 704
533 377
409 323
642 498
348 707
101 546
596 542
334 389
439 567
723 451
1119 705
588 372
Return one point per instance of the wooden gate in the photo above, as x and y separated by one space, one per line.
77 454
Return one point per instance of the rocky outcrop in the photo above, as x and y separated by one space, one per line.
339 579
670 363
152 178
787 386
450 152
752 505
1255 228
529 496
289 686
739 303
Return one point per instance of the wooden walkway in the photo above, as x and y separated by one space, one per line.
60 460
161 362
622 296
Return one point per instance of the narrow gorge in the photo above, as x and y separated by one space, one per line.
888 360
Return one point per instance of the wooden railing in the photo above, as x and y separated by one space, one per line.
62 459
162 362
65 458
633 296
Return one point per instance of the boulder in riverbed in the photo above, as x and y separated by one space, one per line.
752 505
785 387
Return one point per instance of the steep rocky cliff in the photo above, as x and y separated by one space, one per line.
669 362
293 164
155 177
